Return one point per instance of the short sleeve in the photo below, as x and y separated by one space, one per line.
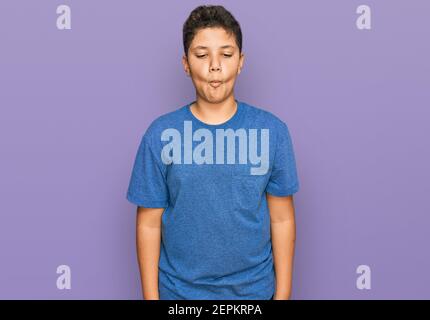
147 187
283 180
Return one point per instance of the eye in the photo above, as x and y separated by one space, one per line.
225 55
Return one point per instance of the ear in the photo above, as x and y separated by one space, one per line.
241 60
186 65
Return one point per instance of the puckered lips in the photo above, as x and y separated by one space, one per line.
215 83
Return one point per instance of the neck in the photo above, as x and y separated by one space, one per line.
214 113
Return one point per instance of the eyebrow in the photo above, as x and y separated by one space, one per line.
222 47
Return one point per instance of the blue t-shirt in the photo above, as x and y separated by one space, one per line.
212 181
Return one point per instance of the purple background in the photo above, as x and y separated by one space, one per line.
74 104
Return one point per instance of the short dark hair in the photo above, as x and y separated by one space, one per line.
208 16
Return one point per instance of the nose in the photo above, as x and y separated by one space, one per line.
215 66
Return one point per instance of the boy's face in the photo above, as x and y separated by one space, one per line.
213 55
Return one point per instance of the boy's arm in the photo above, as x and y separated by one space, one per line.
148 238
283 232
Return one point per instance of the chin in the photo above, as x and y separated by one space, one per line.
217 99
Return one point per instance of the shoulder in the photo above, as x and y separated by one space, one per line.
164 121
266 118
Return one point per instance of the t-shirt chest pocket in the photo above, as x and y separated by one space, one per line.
246 188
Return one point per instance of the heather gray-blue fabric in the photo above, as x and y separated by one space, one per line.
215 235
